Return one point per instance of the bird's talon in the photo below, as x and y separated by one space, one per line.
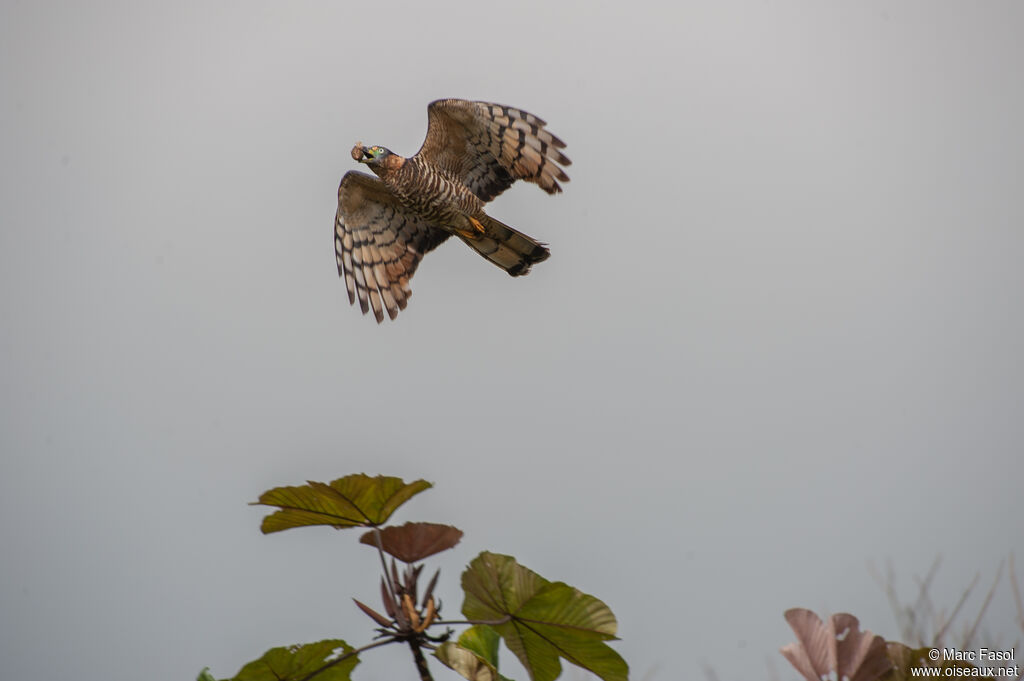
478 229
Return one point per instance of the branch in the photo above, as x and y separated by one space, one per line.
421 662
937 639
1017 600
984 606
923 606
1016 594
887 587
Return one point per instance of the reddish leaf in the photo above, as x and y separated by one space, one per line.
836 649
414 541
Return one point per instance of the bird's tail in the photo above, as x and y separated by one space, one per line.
507 248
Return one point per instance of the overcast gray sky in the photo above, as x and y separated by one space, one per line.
779 334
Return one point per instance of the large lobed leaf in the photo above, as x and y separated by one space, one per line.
413 542
353 501
295 663
835 648
546 620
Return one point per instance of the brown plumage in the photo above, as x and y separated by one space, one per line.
473 152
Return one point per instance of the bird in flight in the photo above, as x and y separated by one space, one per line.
473 152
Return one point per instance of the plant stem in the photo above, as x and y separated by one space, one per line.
421 662
384 563
493 623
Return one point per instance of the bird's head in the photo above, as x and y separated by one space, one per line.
369 155
378 159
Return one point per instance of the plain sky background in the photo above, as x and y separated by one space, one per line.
780 334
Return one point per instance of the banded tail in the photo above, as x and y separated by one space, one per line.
507 248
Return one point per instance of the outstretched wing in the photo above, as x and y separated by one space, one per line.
490 146
378 244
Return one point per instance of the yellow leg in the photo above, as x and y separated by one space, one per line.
477 231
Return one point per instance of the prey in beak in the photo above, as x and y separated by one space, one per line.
361 153
378 159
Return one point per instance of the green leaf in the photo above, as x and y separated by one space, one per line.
295 663
475 656
353 501
205 675
483 641
546 620
905 658
467 663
